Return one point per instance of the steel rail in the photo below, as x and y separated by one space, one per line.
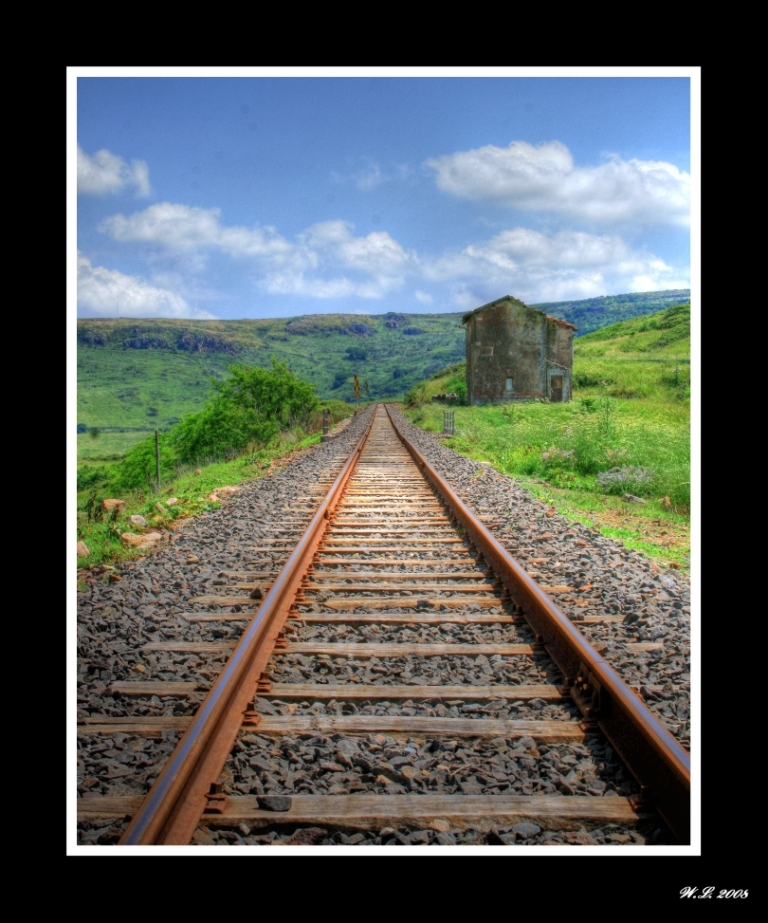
180 795
658 762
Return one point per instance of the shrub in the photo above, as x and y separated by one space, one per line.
416 396
251 407
137 470
558 458
586 379
626 479
91 476
460 390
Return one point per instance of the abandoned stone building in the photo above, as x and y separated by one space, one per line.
516 353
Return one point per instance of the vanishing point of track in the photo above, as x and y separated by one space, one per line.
393 553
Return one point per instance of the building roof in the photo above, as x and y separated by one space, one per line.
492 304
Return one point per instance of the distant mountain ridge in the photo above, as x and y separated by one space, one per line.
593 313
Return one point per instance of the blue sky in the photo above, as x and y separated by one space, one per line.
262 196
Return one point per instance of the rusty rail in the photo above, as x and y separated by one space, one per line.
658 762
182 792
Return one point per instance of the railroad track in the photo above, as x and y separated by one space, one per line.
402 679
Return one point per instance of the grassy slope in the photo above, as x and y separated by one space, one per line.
138 390
639 416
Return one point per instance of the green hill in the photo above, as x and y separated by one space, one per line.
664 335
595 313
138 375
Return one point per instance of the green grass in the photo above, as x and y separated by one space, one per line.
107 446
150 389
625 415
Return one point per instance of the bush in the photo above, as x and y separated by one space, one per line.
626 479
458 386
250 408
82 428
92 476
416 396
137 470
585 379
218 431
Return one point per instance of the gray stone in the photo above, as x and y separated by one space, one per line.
497 838
526 830
274 802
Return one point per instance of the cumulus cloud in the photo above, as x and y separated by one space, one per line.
544 178
105 172
377 254
538 267
105 292
378 262
309 265
423 297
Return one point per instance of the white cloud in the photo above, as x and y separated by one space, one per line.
107 173
106 293
300 267
544 178
377 254
277 283
329 261
536 267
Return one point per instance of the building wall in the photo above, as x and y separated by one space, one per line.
508 340
560 353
